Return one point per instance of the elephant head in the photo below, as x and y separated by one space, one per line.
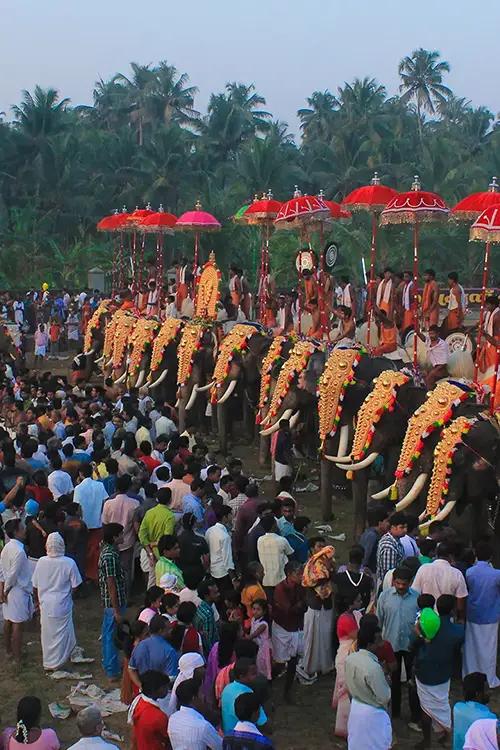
93 343
237 372
196 358
122 337
162 378
141 347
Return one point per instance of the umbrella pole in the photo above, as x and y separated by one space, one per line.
114 267
371 281
141 261
321 285
262 291
415 291
133 259
196 251
159 270
481 311
495 379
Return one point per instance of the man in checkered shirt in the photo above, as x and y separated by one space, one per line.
390 552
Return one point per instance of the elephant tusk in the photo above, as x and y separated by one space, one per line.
443 513
341 458
227 393
121 378
98 361
203 388
359 464
336 460
270 430
294 419
177 403
192 398
159 380
140 379
415 490
382 494
90 351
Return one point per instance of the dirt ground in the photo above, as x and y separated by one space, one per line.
308 724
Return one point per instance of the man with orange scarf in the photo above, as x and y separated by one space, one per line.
430 299
388 334
456 303
490 336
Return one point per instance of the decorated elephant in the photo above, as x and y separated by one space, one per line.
162 378
237 375
197 352
117 345
141 348
93 342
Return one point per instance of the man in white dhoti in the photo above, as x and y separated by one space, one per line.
483 616
15 587
54 579
369 725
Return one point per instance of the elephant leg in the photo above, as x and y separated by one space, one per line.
264 451
360 496
222 427
326 490
248 419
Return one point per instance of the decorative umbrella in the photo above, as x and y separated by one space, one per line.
298 214
115 223
414 207
239 216
373 198
197 221
468 209
263 212
134 221
486 229
159 223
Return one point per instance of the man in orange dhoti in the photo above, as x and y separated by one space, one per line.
388 336
490 337
310 287
181 282
315 331
430 299
385 294
456 303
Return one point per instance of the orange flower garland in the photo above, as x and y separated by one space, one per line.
378 401
123 332
142 336
109 336
235 342
168 331
295 364
337 375
443 458
189 345
436 411
268 363
95 322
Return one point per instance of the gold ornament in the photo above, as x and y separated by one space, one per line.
295 364
109 336
143 334
234 342
337 375
123 333
378 401
450 438
189 345
267 365
94 323
168 331
207 291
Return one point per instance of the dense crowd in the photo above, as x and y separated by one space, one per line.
100 493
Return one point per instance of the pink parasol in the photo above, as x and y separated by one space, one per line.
414 207
197 221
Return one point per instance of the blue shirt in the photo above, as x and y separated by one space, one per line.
155 653
193 504
466 713
36 464
483 602
434 662
397 615
228 698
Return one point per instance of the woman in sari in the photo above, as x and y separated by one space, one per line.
347 631
318 620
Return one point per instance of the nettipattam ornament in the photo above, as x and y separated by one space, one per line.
167 333
95 322
123 333
295 364
207 290
109 335
233 343
190 343
336 377
142 337
381 399
449 441
272 357
435 412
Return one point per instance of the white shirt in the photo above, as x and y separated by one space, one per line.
164 426
60 483
246 726
273 552
16 569
438 353
219 547
55 578
93 743
438 578
90 495
188 730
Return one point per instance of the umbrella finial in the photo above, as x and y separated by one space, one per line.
321 194
494 187
148 206
161 210
115 212
255 197
269 195
297 193
124 209
375 179
197 205
416 183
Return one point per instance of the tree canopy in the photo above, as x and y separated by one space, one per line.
62 167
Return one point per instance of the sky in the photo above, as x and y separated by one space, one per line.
288 49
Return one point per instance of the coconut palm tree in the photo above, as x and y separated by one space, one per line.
41 114
317 120
422 81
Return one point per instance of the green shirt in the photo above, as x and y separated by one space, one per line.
110 566
157 522
164 565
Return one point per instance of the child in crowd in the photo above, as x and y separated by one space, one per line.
259 632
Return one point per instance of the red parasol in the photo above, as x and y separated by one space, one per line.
373 198
486 229
159 223
263 212
414 207
336 210
116 222
197 221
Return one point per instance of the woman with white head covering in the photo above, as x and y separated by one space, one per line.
54 579
483 734
190 665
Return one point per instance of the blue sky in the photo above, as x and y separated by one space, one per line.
287 49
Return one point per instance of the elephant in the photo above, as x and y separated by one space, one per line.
141 349
122 328
237 376
85 362
197 352
162 377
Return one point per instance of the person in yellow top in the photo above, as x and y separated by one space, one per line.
158 521
251 586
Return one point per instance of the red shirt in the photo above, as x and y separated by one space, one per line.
150 463
41 494
150 727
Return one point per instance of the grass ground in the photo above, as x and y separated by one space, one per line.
306 725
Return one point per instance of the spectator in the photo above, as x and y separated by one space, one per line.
90 725
113 595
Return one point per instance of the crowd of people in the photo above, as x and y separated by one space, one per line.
241 600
